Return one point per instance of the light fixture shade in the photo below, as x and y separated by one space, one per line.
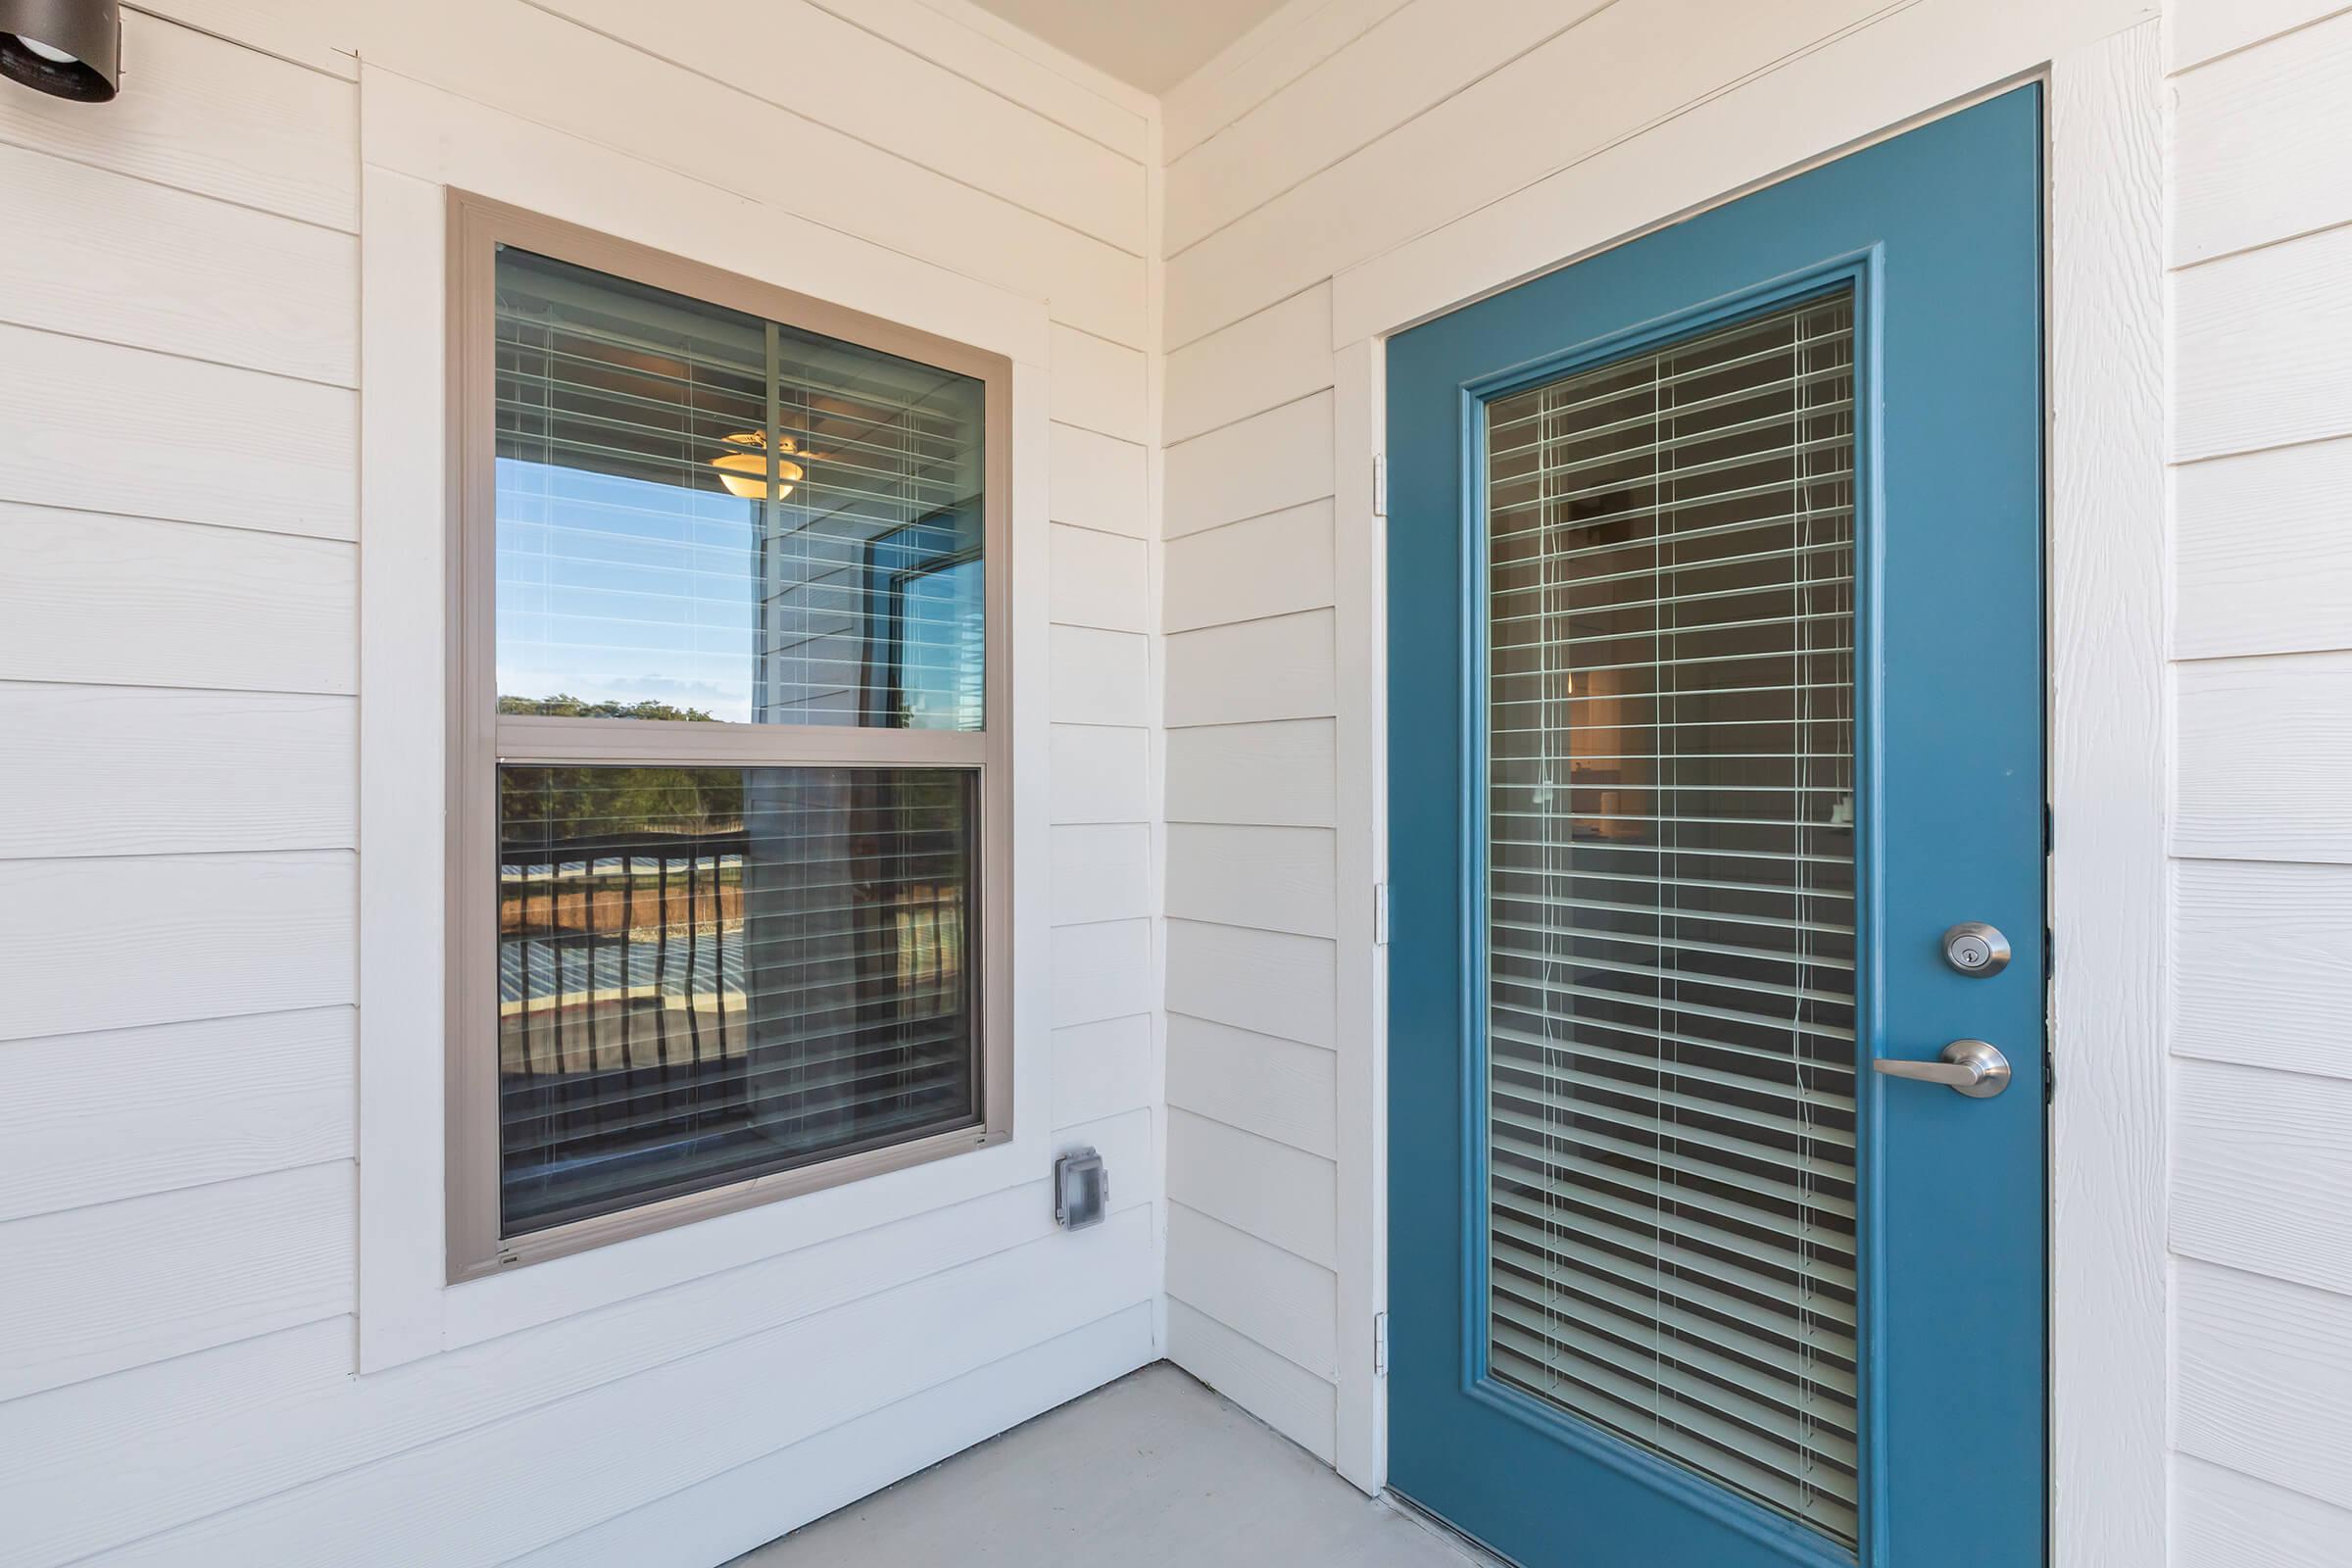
745 472
65 48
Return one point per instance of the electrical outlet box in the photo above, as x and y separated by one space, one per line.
1081 1190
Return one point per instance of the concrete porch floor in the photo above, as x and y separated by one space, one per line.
1152 1471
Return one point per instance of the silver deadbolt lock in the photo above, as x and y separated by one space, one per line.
1975 949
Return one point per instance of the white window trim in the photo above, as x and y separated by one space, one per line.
416 143
2108 596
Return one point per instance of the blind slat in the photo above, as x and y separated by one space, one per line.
1753 1301
1603 1202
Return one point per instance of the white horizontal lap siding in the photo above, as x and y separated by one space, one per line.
1102 871
120 1459
148 602
109 256
1101 894
1275 878
1251 894
177 357
1515 113
1266 462
2260 159
710 1520
1408 63
1100 580
1276 355
1103 990
2262 336
2262 1177
2200 31
1100 1069
499 1488
677 117
113 428
2262 1098
1282 1090
1100 773
1261 566
176 878
98 1289
2264 1379
2265 749
1100 677
200 114
1262 773
1266 1293
1098 385
1287 1396
179 1105
1021 68
116 942
2262 545
109 770
1285 46
2262 972
304 32
2229 1520
1278 1194
831 72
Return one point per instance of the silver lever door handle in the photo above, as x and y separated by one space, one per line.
1974 1067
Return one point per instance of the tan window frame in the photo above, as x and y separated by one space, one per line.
480 738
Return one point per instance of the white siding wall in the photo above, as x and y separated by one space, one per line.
180 309
2262 826
1252 959
1355 166
179 508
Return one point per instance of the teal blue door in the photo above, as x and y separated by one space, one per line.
1715 702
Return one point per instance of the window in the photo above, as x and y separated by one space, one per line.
730 888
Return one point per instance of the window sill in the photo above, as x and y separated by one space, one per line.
688 1208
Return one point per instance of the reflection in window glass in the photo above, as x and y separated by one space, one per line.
708 974
706 515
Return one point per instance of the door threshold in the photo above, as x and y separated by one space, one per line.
1472 1548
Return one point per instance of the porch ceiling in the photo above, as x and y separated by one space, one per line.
1153 44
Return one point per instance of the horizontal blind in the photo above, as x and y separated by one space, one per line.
711 973
731 517
1670 904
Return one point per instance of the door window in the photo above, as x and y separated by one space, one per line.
1669 903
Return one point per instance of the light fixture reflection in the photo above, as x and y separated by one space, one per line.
745 472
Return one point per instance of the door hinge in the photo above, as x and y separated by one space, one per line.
1380 914
1380 484
1379 1344
2049 1079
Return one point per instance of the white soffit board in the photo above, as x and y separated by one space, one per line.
1152 44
